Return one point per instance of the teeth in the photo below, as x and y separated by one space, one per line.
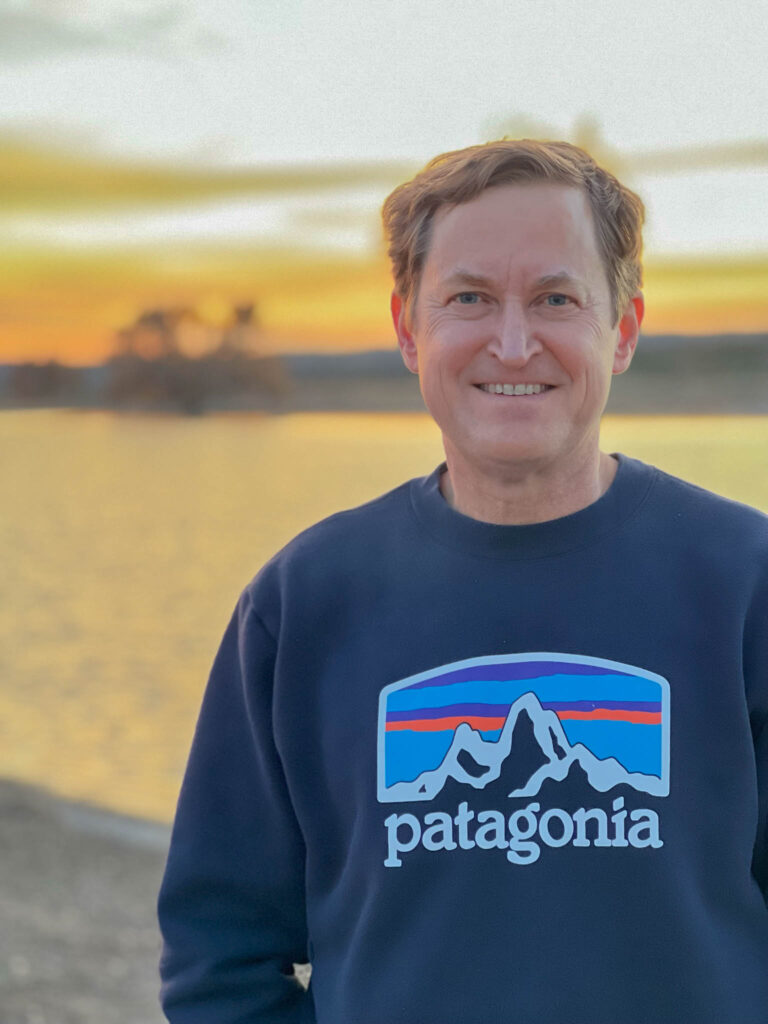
514 389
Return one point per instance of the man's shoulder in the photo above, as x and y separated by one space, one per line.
352 524
341 540
692 506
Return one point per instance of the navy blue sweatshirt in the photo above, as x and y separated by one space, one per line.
480 773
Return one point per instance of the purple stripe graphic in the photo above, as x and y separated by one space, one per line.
517 670
502 710
491 710
590 705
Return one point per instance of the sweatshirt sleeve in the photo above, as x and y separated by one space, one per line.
232 902
756 681
760 866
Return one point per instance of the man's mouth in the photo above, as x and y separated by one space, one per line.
514 389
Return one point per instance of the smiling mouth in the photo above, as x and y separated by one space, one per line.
514 389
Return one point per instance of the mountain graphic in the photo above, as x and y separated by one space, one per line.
473 761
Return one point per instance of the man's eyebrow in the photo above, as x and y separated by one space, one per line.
559 277
463 275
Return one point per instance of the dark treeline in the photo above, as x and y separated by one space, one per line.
168 360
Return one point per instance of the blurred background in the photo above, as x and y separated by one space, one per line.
197 361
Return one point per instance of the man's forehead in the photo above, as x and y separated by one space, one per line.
564 205
544 231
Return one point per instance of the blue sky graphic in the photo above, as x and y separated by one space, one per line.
637 746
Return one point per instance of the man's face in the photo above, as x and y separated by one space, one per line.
513 294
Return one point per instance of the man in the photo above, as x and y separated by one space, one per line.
492 747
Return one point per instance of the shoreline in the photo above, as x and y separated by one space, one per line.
689 374
639 392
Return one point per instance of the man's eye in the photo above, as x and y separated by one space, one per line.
557 299
467 298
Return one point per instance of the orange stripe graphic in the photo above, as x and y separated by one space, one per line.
478 722
438 724
614 715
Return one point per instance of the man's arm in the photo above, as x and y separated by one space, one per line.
756 683
760 863
232 902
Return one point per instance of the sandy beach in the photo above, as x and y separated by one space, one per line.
79 942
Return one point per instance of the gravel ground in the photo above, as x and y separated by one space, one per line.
79 941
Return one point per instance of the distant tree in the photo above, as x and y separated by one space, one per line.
171 356
151 335
242 333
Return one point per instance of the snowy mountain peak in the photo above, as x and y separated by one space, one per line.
473 761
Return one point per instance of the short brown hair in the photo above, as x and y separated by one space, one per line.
461 175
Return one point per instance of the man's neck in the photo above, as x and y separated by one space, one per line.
518 495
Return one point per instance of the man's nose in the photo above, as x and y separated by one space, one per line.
514 340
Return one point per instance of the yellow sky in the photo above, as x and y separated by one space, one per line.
87 244
70 310
252 116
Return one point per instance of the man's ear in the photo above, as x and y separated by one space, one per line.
404 336
629 332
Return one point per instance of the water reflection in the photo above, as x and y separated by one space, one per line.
127 540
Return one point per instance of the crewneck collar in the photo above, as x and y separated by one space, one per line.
457 531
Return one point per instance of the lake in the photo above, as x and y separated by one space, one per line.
127 539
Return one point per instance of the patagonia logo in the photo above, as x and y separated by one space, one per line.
507 726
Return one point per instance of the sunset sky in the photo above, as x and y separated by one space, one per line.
248 85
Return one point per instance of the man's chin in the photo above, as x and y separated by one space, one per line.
502 451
